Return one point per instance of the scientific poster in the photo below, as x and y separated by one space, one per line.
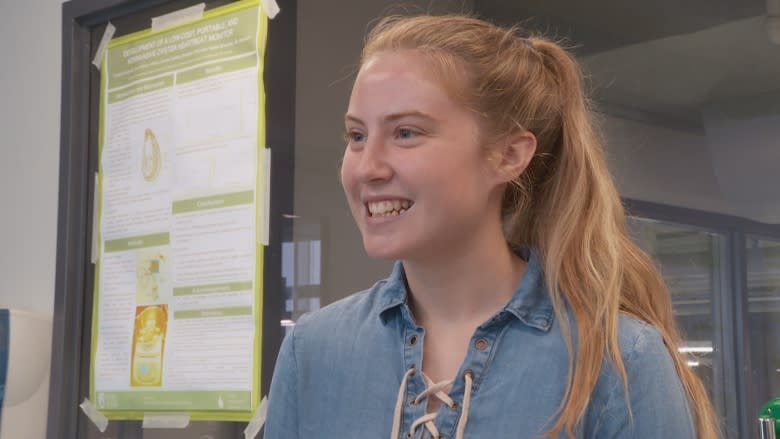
177 309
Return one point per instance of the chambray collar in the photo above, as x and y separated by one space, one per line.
530 303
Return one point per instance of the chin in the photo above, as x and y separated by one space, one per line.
379 251
381 254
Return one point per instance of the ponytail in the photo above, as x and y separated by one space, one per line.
577 222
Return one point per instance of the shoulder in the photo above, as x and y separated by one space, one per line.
641 347
638 340
649 363
655 403
643 351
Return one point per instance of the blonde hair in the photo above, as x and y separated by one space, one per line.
565 204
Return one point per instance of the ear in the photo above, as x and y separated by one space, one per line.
514 154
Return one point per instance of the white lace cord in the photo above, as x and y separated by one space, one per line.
428 419
437 389
464 413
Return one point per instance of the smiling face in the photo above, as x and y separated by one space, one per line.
417 180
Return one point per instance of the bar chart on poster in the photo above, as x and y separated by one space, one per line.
180 192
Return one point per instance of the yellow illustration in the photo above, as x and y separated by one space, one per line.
148 342
151 273
151 158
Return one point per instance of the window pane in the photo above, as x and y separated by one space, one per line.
763 277
302 265
690 261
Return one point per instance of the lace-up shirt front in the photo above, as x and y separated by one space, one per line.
352 371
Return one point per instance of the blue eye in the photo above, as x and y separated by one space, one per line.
406 133
354 136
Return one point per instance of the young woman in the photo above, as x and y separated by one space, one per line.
518 307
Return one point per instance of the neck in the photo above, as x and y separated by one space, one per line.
475 279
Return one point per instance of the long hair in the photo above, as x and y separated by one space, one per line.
564 204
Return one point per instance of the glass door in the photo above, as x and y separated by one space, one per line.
692 263
763 321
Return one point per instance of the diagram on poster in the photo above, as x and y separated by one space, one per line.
176 319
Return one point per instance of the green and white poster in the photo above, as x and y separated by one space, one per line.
178 297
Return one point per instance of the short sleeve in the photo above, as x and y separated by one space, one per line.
659 404
282 419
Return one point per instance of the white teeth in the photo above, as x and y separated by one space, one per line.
390 207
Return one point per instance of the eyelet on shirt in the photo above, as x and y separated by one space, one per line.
413 340
481 344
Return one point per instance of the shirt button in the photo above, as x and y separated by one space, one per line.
481 344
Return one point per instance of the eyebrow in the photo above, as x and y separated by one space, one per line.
394 116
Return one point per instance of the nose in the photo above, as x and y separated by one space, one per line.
373 164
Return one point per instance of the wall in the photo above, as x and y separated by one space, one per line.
30 38
29 122
743 141
655 163
730 166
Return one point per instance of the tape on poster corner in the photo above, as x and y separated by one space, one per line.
97 418
177 17
270 7
166 420
95 216
257 421
264 209
107 35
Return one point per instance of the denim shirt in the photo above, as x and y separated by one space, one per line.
339 371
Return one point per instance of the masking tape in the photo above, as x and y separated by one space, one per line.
264 209
95 221
166 420
270 7
257 421
97 418
107 35
176 17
